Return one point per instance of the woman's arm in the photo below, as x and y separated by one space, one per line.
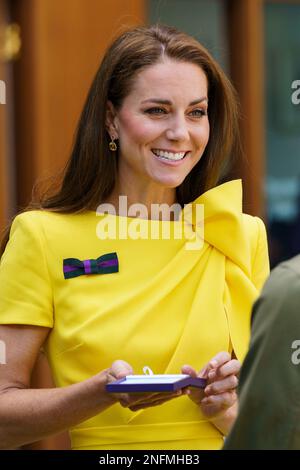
28 415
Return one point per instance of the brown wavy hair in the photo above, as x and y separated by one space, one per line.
90 173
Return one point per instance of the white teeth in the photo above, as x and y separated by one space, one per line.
169 155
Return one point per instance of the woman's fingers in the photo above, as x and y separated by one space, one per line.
219 359
189 370
230 368
120 369
143 400
224 400
221 372
155 402
221 386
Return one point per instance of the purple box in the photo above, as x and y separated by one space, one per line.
154 383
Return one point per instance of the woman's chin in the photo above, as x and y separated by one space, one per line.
168 182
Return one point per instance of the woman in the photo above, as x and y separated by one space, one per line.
157 128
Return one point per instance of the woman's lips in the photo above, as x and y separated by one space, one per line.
168 161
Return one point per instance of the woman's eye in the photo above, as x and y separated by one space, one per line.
155 111
199 112
195 113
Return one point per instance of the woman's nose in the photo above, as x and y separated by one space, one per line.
178 129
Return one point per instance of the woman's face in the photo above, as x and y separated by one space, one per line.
162 125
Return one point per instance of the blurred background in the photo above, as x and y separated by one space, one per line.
51 49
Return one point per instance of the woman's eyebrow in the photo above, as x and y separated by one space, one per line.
167 102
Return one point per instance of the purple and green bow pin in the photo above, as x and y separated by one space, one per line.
105 264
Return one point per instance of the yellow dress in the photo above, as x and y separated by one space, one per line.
166 306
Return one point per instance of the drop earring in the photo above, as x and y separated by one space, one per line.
112 145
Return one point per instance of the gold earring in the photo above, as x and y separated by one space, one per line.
112 145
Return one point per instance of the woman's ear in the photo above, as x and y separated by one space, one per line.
110 120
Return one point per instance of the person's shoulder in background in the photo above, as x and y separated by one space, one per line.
280 298
269 387
282 280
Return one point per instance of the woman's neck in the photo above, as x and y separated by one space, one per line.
151 203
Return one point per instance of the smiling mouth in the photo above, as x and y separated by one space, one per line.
171 156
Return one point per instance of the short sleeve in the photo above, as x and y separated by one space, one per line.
25 287
261 264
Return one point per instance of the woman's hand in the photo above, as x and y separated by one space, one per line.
218 401
137 401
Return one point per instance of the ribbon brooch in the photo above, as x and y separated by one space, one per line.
105 264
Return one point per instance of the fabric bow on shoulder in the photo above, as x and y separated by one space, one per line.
105 264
